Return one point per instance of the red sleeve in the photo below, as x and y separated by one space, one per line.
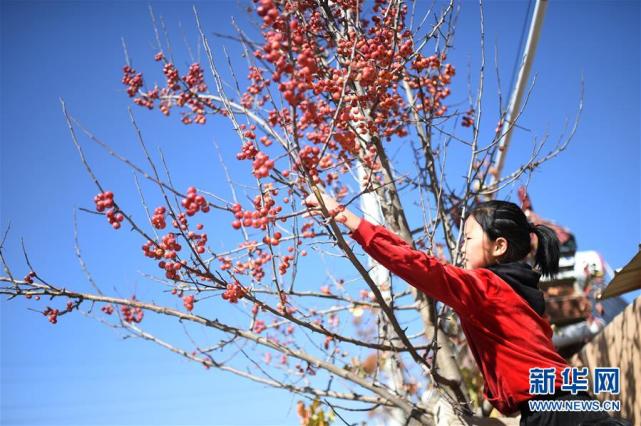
461 289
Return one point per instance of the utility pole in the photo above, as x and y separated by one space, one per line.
517 92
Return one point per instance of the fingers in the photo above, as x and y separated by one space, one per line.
310 204
313 206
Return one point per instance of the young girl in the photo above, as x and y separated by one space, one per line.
496 297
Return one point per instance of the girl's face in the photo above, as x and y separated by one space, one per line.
478 250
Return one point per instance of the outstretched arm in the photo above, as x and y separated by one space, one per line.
461 289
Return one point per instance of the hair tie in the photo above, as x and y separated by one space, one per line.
532 227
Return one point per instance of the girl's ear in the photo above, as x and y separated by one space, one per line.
500 247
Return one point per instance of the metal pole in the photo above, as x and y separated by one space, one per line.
519 89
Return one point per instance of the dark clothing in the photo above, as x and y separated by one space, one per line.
525 281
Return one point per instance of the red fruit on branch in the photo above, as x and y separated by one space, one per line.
133 80
259 326
107 309
188 302
29 277
104 200
158 219
234 292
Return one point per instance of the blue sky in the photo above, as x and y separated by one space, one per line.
80 372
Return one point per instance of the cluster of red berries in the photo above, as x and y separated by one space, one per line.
267 142
238 213
52 314
234 292
185 96
258 84
115 218
147 99
226 263
105 200
158 219
29 277
172 268
197 106
249 134
309 159
267 10
167 249
254 264
259 217
195 78
181 222
290 94
259 326
436 83
193 203
284 264
132 79
421 62
367 75
306 63
248 151
188 302
201 239
132 315
328 340
171 74
262 165
275 240
107 309
306 232
468 119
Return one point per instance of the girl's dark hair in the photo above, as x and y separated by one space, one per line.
507 220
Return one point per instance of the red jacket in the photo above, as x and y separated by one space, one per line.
505 335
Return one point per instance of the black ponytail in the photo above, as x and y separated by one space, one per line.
547 251
507 220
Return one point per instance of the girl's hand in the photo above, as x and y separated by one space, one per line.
341 214
313 207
